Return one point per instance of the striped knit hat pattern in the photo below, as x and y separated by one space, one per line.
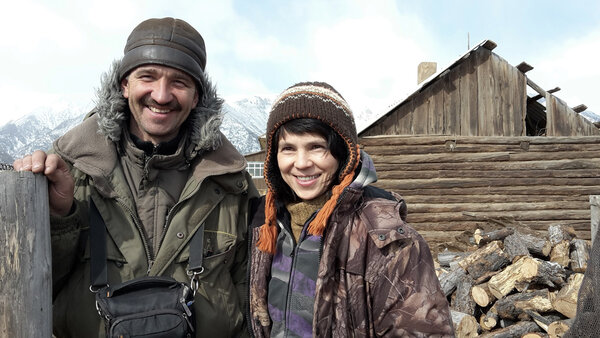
315 100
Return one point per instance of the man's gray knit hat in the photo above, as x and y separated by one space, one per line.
167 41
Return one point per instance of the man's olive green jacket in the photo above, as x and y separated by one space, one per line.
216 195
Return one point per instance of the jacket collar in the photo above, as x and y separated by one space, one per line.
366 172
203 123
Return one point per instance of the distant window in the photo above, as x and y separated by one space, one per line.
255 169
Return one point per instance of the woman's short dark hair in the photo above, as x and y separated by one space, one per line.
335 144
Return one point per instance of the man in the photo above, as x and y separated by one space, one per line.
152 159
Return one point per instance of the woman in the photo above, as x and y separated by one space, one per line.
331 255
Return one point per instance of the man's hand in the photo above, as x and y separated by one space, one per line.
60 181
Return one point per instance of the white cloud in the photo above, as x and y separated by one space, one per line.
573 66
368 51
31 25
372 60
17 102
252 47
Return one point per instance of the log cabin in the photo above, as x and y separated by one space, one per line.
479 144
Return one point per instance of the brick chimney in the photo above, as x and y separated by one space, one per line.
425 70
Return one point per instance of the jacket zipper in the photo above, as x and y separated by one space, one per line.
292 270
166 225
141 231
172 211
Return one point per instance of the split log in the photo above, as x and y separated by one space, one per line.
489 320
481 295
543 321
524 271
535 335
461 299
489 258
505 322
446 257
565 300
517 330
579 255
560 253
514 306
482 238
559 328
464 325
559 232
449 280
485 277
535 245
515 248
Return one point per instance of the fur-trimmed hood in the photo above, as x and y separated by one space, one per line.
203 123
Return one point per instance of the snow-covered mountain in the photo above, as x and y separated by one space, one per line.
591 116
38 129
244 120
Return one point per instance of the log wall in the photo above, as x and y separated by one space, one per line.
453 184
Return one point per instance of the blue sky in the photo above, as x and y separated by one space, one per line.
55 51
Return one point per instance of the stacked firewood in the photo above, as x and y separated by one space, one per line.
514 284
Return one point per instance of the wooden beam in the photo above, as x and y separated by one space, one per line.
535 87
524 67
539 96
489 44
580 108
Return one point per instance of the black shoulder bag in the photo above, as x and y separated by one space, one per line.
150 306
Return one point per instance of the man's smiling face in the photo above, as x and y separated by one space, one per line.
160 99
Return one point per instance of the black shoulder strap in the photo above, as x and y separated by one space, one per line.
196 248
98 277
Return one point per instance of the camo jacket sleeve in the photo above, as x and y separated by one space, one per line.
406 297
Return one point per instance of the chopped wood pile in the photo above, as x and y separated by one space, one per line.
514 283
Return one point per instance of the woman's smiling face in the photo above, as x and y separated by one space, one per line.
306 164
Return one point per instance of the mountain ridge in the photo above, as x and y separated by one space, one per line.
244 120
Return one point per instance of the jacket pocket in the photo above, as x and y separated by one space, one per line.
219 255
217 296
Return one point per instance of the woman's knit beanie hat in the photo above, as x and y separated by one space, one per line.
315 100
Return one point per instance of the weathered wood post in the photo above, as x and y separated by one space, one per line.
25 256
595 209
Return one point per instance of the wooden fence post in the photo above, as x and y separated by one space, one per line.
25 256
595 210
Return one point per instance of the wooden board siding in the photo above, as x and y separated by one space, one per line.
258 156
563 121
467 109
455 184
483 95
